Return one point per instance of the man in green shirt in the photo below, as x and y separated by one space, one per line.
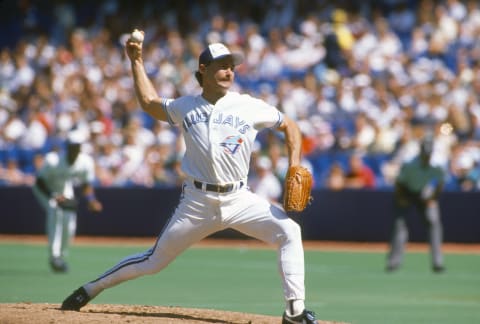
418 186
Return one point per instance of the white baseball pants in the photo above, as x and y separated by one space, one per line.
61 225
202 213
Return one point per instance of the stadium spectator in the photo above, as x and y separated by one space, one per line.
364 134
263 182
336 179
12 175
359 175
364 70
464 167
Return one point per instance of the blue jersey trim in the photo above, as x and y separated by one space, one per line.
280 120
164 107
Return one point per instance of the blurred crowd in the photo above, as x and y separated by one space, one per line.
365 80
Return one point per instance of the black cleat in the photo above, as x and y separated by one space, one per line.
391 268
76 300
438 269
58 265
306 317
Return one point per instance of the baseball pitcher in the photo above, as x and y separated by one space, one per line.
219 127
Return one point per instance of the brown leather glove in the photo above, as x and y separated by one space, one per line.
298 188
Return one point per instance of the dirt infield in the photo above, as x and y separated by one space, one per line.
24 313
470 248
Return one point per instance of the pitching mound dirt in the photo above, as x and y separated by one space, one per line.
28 313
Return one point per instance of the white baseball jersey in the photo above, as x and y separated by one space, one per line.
60 177
219 138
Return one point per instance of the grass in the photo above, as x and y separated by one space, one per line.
341 286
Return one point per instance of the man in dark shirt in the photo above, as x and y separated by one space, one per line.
418 185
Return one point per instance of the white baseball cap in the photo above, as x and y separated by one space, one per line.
217 51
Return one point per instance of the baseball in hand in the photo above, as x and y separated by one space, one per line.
137 36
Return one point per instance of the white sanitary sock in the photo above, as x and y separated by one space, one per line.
295 307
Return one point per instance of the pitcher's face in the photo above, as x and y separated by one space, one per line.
219 75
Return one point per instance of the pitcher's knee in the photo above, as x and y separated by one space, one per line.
291 233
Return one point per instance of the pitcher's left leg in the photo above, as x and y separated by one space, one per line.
257 218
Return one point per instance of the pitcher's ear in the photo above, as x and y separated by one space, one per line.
201 68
